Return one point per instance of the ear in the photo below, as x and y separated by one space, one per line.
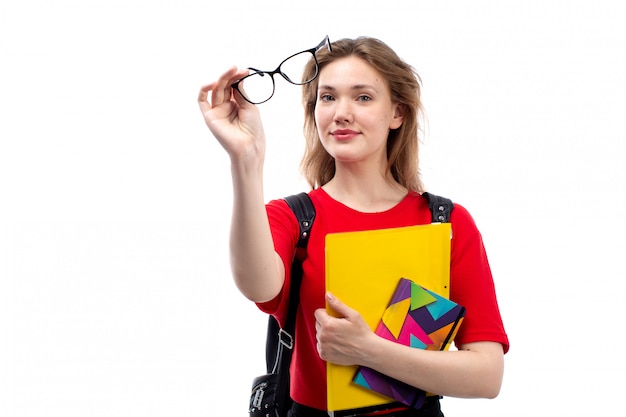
398 116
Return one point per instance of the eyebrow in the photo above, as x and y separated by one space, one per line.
354 87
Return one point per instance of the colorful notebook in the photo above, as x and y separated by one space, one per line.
419 318
363 269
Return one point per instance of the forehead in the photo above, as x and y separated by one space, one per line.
350 70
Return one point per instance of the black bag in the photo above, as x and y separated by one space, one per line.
270 392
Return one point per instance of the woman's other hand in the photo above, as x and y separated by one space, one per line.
341 338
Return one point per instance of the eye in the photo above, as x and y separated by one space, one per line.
326 97
364 97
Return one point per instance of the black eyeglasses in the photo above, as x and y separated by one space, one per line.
259 85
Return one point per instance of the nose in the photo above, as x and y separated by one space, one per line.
343 111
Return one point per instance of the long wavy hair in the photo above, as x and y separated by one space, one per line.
317 166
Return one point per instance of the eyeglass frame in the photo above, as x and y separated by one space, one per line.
313 51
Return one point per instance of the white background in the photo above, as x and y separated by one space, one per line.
115 292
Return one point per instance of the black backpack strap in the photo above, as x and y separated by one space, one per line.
280 341
303 208
440 207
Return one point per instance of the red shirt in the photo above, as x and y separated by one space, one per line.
471 282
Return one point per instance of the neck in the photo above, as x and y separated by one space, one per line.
365 191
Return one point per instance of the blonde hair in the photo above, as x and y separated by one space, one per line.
317 166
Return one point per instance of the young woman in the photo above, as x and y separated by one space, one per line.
362 114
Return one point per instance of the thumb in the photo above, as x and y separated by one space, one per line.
337 306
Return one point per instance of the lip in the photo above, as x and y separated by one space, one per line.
344 134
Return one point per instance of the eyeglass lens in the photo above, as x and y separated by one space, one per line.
258 87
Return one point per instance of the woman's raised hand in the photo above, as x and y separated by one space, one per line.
234 122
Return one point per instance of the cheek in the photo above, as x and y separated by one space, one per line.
321 120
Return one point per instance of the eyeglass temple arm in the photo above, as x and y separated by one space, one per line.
325 42
256 70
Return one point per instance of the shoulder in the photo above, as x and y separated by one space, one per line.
461 215
278 207
281 218
463 224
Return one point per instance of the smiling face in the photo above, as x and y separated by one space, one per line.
354 112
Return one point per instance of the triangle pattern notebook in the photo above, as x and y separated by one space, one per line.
415 317
362 270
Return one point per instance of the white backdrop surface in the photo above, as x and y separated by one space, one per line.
115 289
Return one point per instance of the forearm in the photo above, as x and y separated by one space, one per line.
254 264
475 371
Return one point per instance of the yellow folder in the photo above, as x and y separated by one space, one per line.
363 270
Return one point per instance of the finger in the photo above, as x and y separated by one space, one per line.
236 94
340 308
318 346
223 87
239 97
203 97
241 87
320 314
318 328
